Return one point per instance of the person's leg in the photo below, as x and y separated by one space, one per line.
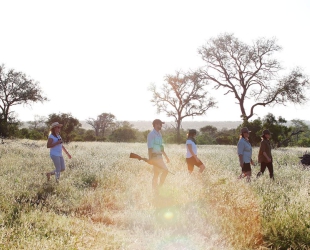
262 169
163 177
155 178
246 170
62 166
163 170
190 165
48 174
270 169
201 166
263 166
248 175
57 163
241 175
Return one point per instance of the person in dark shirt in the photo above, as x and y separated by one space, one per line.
264 154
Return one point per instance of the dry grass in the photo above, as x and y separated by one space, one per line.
104 201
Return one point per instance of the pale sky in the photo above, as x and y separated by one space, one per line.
93 57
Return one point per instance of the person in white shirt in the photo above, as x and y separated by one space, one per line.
156 152
191 153
54 143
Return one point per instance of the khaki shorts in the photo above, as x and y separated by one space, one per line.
191 162
159 164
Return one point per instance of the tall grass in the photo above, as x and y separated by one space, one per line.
104 200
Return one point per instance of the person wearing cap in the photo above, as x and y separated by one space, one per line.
264 154
191 153
54 143
156 152
245 153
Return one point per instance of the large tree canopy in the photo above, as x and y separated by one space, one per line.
69 124
16 89
182 95
251 74
102 123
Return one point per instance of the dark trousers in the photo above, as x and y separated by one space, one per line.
263 167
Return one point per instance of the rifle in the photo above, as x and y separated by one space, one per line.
135 156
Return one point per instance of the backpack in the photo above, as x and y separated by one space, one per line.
305 159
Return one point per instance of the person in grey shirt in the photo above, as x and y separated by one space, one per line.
156 152
245 154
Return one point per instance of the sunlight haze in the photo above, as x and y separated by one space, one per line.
93 57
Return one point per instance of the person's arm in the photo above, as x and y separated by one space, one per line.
240 148
190 149
167 159
164 153
241 160
67 153
51 144
267 157
150 151
264 148
150 143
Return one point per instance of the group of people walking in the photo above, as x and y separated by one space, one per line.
244 148
156 152
245 154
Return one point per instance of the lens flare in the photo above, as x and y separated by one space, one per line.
168 215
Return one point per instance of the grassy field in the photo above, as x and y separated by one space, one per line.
104 200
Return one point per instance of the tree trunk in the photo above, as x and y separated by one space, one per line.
178 131
97 131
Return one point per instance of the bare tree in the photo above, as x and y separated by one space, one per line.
298 126
95 123
39 125
38 122
16 89
182 95
103 122
250 73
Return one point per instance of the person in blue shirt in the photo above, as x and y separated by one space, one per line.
156 152
245 154
54 143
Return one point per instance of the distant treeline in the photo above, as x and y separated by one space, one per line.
146 125
107 128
